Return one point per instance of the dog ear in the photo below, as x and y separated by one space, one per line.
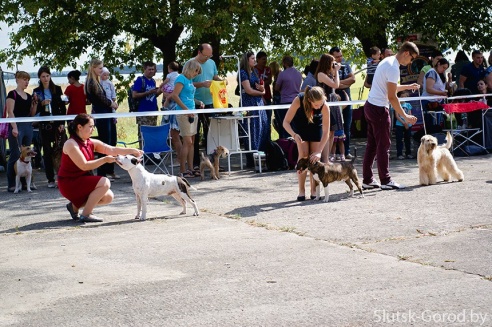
422 139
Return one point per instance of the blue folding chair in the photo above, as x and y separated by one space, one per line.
156 148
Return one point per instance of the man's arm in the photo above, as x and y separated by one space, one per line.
393 99
345 83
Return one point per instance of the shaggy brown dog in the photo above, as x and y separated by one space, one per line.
206 162
327 173
434 160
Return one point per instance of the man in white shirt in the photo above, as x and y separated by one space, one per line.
376 110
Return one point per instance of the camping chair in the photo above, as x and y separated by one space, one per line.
463 137
156 148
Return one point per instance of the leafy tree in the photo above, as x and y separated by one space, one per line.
124 32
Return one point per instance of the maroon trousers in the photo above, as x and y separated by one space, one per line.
378 143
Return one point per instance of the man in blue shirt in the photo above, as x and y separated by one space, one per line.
472 72
146 91
202 83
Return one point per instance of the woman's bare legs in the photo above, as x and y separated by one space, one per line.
186 154
176 142
100 196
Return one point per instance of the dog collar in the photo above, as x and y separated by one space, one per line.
24 161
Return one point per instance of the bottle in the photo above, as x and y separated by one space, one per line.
47 108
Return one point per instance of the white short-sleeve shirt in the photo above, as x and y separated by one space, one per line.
388 71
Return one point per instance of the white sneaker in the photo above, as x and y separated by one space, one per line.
401 157
392 185
51 185
371 185
349 156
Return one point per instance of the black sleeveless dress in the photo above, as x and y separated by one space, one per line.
310 132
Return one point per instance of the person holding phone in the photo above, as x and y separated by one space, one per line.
184 96
50 103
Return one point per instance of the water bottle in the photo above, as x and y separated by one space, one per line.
47 108
465 120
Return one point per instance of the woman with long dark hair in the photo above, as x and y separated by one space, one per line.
49 104
252 91
75 179
328 78
435 84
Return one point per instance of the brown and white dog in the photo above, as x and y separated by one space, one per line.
206 162
23 168
326 173
434 160
147 185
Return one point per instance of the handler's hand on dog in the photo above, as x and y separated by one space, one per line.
315 157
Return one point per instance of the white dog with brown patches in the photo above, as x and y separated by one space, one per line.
23 168
434 160
147 185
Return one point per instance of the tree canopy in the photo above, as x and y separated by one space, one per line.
123 32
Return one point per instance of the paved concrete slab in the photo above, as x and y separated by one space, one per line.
255 256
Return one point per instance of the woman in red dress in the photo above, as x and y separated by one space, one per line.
75 179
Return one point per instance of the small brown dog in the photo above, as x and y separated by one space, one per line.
327 173
206 162
23 168
435 160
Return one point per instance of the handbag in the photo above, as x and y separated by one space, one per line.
4 127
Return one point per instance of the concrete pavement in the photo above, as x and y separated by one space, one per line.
255 256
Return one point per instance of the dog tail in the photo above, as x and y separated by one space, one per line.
449 141
182 180
202 155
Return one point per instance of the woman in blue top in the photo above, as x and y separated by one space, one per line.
184 96
308 122
251 96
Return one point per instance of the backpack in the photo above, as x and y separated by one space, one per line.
275 157
291 152
134 103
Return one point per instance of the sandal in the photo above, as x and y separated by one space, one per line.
187 175
196 173
74 214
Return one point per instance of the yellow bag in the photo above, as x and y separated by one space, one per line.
219 94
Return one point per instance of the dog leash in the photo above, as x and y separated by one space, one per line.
422 111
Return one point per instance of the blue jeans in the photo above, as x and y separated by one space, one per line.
347 123
24 138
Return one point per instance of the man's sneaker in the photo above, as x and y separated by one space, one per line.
392 186
349 157
409 156
51 185
371 185
401 157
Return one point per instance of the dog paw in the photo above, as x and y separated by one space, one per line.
16 191
196 214
182 213
142 218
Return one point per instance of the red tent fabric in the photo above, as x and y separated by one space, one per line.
464 107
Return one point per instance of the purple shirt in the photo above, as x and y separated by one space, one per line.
289 81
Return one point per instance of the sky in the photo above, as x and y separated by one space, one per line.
27 64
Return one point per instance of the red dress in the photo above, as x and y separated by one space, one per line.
75 184
77 99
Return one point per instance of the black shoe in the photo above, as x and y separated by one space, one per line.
72 212
301 198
